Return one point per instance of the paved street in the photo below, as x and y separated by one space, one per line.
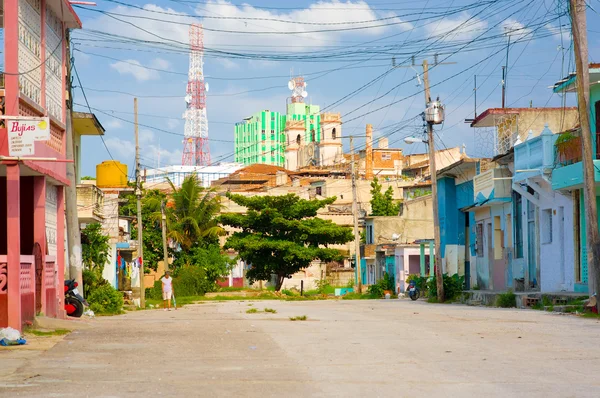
345 348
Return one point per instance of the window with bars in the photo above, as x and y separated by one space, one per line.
479 240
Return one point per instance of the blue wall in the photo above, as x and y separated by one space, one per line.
448 213
451 198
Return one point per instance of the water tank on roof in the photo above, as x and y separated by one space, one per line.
111 174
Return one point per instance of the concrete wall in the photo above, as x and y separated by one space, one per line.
557 119
557 258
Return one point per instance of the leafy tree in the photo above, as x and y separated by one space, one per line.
152 234
94 247
281 235
192 214
382 204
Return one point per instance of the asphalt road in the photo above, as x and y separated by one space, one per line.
344 349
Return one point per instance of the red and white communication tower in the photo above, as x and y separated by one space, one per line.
196 151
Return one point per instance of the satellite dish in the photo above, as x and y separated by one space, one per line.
188 98
291 84
206 87
395 237
304 94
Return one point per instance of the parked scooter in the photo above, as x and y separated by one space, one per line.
413 291
74 302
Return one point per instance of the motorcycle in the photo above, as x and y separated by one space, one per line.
74 302
413 291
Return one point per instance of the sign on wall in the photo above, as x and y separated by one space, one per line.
22 135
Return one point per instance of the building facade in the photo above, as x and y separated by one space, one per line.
299 138
261 139
32 169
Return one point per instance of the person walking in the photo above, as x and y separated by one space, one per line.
167 290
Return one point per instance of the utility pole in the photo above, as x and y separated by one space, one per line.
579 31
503 86
355 217
433 171
138 193
73 231
164 235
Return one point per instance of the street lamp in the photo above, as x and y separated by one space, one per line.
415 140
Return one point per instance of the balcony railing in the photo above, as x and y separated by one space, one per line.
493 184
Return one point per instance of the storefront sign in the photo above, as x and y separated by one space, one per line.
22 135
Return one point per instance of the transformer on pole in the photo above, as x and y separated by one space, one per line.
196 151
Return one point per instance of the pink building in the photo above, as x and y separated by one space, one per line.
32 92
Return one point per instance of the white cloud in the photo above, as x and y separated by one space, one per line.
123 149
461 28
563 34
172 124
113 124
515 29
151 151
159 63
173 26
135 68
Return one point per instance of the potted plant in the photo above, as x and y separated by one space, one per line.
568 147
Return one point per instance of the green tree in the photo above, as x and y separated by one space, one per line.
382 204
152 233
192 214
281 235
94 247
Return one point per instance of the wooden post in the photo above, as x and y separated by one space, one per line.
355 217
436 215
164 235
579 30
138 192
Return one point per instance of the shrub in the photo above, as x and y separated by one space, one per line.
287 292
191 280
106 300
92 280
453 286
385 283
375 290
155 292
506 300
324 287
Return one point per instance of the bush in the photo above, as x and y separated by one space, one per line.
375 290
155 292
106 300
192 281
209 258
453 286
92 280
506 300
385 283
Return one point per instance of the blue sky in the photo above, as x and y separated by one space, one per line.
471 34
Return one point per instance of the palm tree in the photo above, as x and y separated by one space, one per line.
191 214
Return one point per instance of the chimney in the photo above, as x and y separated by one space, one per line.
369 153
382 143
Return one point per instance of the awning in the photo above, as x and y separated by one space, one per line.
486 203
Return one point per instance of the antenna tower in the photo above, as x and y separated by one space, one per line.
298 87
196 151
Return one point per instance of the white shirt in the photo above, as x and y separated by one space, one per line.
166 284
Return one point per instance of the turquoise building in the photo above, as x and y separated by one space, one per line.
568 172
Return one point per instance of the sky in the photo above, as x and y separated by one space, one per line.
344 49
